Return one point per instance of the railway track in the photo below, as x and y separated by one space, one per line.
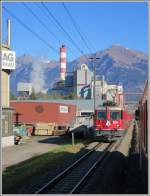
72 179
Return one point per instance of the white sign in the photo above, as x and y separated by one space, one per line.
107 123
8 59
63 109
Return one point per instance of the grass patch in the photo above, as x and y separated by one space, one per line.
18 178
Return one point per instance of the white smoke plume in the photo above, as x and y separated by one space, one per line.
37 77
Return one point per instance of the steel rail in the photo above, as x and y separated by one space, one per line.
76 189
56 179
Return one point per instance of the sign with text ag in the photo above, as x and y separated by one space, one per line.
8 58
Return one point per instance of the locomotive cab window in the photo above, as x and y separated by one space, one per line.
101 115
115 115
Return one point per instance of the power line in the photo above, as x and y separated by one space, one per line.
40 21
76 26
85 37
60 26
89 41
30 30
57 27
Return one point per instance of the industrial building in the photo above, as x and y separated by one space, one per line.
24 89
60 111
66 113
115 93
31 112
64 86
69 83
80 82
100 87
8 64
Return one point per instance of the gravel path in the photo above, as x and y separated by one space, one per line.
31 147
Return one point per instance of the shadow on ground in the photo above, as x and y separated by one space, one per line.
56 140
120 174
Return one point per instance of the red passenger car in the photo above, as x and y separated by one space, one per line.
143 120
111 122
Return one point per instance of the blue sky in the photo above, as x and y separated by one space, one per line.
103 23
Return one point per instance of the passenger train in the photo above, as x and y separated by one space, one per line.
111 122
141 116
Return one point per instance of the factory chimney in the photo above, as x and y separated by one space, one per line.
62 62
8 33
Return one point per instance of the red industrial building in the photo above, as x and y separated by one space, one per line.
31 112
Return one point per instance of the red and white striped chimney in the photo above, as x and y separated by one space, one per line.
62 62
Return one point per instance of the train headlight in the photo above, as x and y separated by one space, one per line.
117 126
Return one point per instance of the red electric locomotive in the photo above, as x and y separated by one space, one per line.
111 122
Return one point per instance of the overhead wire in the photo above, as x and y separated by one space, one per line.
83 34
40 21
30 30
43 24
61 27
76 26
45 13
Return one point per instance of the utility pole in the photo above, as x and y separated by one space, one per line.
94 74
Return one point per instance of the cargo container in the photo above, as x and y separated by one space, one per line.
45 128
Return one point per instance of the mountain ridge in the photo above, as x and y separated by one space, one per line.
117 63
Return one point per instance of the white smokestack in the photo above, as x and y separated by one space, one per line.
8 33
62 62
